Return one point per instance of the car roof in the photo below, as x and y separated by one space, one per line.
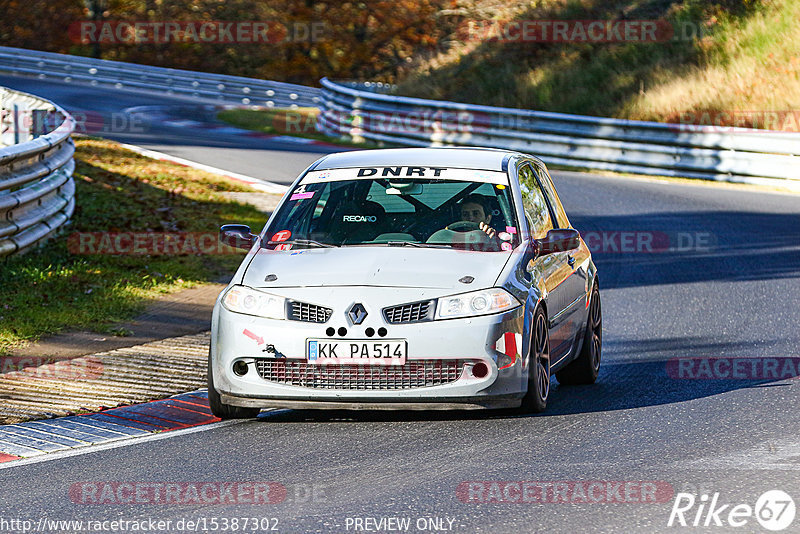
489 159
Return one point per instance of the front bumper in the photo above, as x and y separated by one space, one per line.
470 341
476 403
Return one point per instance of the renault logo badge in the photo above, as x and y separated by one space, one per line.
357 313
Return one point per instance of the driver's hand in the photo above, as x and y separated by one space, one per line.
488 230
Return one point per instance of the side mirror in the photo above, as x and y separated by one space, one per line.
557 240
237 236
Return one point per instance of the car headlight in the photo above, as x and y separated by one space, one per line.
243 299
483 302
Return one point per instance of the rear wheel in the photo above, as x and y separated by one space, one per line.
222 410
535 400
585 368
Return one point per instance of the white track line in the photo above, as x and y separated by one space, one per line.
263 185
133 440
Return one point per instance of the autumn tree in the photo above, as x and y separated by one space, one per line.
39 25
309 39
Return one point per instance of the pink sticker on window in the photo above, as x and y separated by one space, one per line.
302 196
511 229
284 246
505 246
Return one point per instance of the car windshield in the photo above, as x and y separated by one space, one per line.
434 207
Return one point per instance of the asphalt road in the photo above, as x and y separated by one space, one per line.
723 282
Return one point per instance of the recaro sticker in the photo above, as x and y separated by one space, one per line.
360 218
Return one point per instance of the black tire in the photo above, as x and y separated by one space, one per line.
585 368
535 400
222 410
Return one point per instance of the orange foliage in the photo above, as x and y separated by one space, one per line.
374 39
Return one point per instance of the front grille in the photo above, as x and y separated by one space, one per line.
412 374
413 312
309 313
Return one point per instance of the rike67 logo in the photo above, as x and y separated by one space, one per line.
774 510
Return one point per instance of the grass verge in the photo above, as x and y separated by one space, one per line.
52 289
725 60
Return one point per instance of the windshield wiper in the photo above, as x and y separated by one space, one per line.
413 244
306 242
311 242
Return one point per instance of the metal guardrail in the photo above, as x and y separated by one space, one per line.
735 154
37 192
121 75
364 111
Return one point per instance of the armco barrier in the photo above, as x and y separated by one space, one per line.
735 155
365 111
121 75
37 193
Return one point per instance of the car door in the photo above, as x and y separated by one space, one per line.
552 268
573 283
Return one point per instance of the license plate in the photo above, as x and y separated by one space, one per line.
383 352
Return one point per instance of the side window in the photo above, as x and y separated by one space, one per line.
534 204
552 197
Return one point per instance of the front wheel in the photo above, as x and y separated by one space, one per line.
222 410
585 368
535 400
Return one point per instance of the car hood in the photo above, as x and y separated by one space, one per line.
377 266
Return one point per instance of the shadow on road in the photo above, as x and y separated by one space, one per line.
692 247
621 386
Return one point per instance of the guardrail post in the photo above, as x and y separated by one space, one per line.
15 123
38 122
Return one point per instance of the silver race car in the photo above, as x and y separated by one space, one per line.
412 279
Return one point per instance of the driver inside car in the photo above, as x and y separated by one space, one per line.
474 209
473 230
